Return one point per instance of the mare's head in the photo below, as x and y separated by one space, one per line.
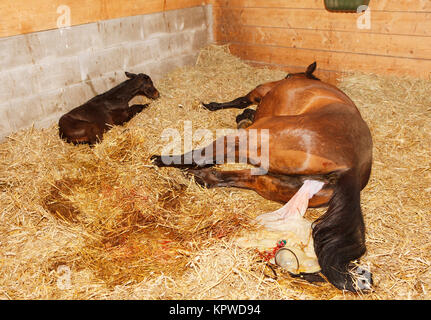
145 84
308 74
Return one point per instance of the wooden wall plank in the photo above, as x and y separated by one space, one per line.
344 62
290 34
340 41
304 4
380 5
324 75
25 16
406 23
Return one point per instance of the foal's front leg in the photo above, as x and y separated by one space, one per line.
135 109
121 116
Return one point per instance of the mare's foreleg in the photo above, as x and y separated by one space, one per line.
253 97
233 148
238 103
245 119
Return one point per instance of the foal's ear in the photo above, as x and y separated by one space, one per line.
311 68
130 75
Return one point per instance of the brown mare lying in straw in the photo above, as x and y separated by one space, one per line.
316 134
88 122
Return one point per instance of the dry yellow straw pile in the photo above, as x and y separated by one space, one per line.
103 223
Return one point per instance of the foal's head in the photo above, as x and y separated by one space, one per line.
307 74
146 86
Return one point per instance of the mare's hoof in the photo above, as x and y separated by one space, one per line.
206 177
199 180
364 279
245 119
157 160
213 106
356 280
247 114
244 124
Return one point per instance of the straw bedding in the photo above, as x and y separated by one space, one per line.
103 223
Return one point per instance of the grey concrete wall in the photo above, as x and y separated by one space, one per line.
45 74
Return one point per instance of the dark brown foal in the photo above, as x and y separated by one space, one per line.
88 122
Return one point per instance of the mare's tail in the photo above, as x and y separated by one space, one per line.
339 235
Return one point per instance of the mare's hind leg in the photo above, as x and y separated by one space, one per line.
273 187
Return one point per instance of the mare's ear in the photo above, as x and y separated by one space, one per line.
311 68
130 75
